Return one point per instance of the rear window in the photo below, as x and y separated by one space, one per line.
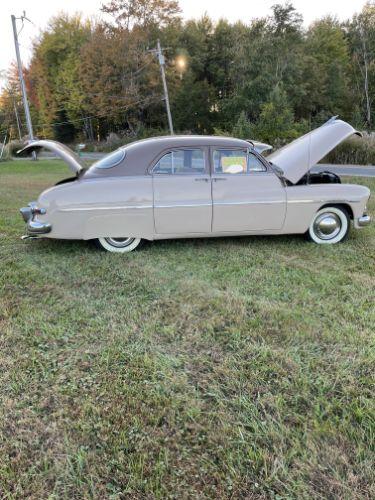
111 160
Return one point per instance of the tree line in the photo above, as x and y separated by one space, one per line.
269 78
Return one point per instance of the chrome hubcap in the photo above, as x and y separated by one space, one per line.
327 226
119 242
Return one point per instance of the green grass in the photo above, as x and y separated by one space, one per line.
213 368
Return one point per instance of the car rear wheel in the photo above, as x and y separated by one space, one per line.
119 245
329 225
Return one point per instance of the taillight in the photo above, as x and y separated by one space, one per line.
38 211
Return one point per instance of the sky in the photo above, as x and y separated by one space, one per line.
40 11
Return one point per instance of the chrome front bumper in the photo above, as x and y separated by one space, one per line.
364 220
34 227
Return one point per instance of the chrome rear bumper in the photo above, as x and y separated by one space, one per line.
364 220
37 227
26 213
34 227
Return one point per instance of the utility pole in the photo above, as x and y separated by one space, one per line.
17 117
22 81
3 146
161 58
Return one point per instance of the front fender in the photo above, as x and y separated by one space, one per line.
304 201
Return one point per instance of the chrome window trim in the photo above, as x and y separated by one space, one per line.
203 149
249 151
123 151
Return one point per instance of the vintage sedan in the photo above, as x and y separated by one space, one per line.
199 186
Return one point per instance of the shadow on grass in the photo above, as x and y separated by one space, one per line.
73 247
76 247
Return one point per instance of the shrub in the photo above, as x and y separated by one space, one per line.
114 140
355 151
11 149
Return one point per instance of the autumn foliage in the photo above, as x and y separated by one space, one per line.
270 77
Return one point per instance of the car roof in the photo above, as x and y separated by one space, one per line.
141 154
161 142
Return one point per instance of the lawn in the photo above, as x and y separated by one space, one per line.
213 368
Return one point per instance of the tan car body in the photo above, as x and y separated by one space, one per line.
129 199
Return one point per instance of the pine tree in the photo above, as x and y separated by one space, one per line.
276 120
243 129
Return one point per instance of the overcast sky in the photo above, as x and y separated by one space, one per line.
39 11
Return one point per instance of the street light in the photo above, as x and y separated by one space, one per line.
181 64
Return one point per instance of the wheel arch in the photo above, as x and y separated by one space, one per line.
345 206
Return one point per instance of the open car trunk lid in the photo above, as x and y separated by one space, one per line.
296 159
62 151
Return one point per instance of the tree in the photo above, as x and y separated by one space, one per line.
326 70
120 79
11 108
266 53
243 129
193 97
361 36
276 121
145 13
53 76
250 79
285 19
191 106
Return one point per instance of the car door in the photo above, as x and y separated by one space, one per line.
247 195
182 192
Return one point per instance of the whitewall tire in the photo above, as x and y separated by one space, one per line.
119 245
329 225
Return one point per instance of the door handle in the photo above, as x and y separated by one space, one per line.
219 179
201 179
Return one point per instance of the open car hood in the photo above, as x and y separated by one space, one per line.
296 158
62 151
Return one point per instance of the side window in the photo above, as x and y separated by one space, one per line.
183 161
111 160
234 161
230 161
254 164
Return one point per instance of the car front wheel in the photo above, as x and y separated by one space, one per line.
119 245
329 225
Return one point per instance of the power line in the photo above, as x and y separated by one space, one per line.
128 77
148 100
104 113
65 104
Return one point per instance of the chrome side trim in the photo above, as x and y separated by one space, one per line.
127 207
323 201
259 202
222 203
182 205
303 201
